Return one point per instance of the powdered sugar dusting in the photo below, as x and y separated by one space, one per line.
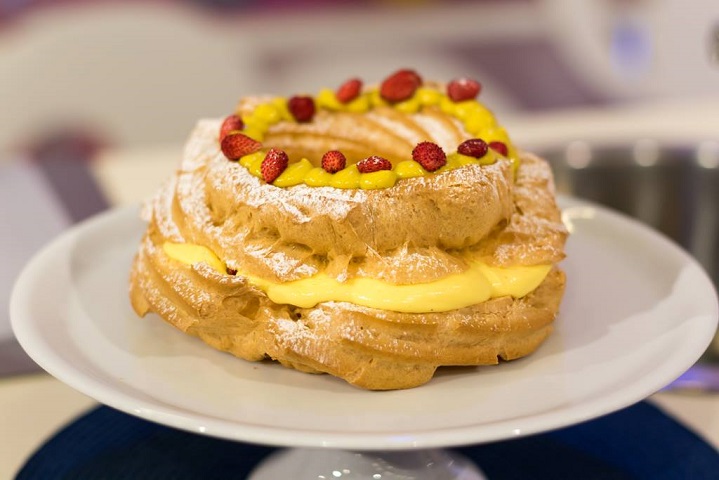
220 204
446 132
202 146
162 206
401 125
246 189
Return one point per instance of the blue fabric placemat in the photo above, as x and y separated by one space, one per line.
639 442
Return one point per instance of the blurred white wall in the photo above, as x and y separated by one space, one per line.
130 73
143 73
639 48
137 74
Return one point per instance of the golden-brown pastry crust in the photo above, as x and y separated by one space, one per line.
417 231
284 234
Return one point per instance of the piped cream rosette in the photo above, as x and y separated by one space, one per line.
379 287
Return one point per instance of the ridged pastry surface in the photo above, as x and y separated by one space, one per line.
417 230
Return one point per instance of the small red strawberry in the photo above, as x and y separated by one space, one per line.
373 164
474 147
499 147
333 161
274 164
429 155
400 86
233 122
349 90
463 89
413 74
236 145
302 108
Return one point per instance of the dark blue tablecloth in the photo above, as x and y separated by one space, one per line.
639 442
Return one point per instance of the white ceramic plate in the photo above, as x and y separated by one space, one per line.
637 313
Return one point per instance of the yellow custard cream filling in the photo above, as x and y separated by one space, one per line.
477 284
478 121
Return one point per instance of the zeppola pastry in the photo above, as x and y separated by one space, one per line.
374 233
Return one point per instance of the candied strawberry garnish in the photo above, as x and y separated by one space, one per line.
229 124
474 147
333 161
463 89
400 86
349 90
373 164
274 164
499 147
302 108
429 155
236 145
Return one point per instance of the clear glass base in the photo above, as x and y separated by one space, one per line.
328 464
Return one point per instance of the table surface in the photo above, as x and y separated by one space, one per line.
34 406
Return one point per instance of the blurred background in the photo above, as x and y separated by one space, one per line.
128 73
97 97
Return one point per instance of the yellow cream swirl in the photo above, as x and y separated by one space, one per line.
476 119
479 283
